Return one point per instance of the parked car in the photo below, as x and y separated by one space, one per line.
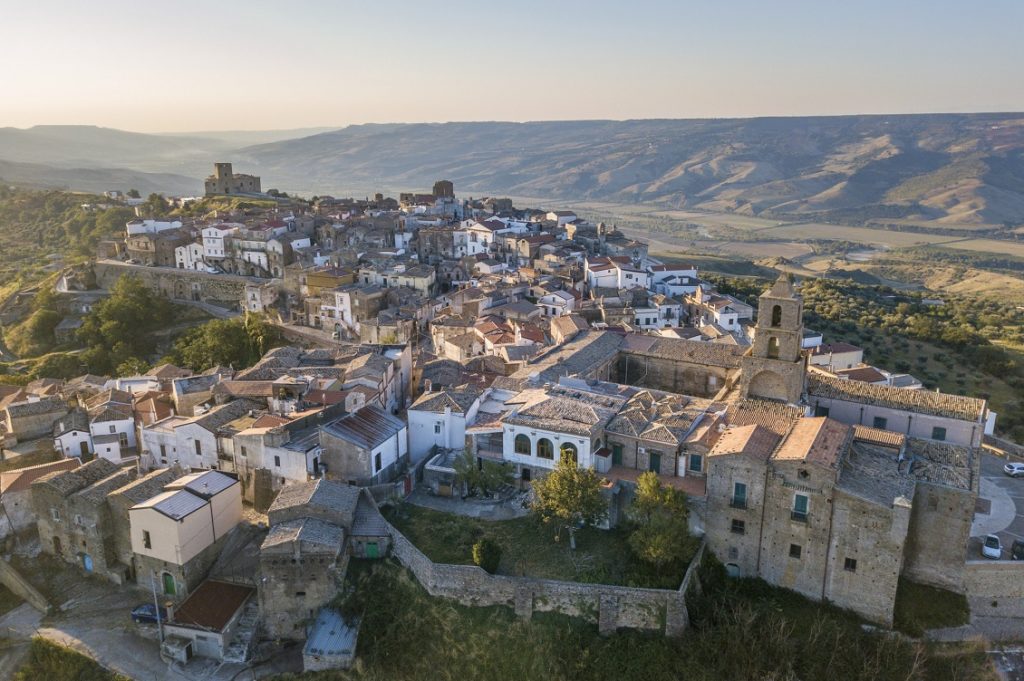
1017 550
146 614
131 261
1014 470
992 547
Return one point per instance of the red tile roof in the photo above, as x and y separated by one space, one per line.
212 605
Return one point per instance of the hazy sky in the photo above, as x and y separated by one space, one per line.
211 65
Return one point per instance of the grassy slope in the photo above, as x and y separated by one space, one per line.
743 631
53 662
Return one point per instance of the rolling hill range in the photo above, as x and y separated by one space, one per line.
946 168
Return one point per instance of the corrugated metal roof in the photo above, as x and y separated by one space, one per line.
205 484
332 635
368 427
174 504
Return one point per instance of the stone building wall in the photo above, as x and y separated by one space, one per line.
671 375
734 548
291 593
940 524
874 537
997 580
186 577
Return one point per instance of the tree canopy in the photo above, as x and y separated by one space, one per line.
238 342
569 497
659 516
120 327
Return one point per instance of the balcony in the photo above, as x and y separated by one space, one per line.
738 503
799 516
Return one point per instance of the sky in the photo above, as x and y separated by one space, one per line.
226 65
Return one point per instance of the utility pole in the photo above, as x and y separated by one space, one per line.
156 604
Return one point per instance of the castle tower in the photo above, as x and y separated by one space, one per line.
774 367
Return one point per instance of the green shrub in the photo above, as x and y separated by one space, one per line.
487 554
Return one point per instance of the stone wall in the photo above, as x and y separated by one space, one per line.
672 375
940 524
178 284
21 588
995 579
610 607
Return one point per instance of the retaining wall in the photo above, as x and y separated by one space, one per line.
994 578
610 607
13 580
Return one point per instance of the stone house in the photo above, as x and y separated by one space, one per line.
366 447
33 418
16 493
72 436
74 521
122 499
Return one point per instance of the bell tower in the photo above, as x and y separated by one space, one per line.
774 367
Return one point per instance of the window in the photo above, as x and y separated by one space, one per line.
738 526
820 411
696 462
800 506
777 315
163 452
437 429
113 430
277 462
300 594
795 550
939 433
568 450
199 448
545 449
522 445
739 495
147 541
880 422
244 453
122 439
773 348
850 565
526 475
55 514
376 462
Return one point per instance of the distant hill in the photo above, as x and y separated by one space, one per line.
96 180
949 168
945 168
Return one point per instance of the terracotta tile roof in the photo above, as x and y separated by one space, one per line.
916 401
884 438
863 374
751 440
817 440
775 416
22 478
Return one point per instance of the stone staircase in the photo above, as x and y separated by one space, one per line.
245 633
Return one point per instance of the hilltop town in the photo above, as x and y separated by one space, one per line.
431 330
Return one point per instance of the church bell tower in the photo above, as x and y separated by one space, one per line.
773 368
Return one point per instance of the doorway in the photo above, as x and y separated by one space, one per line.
371 550
83 448
170 588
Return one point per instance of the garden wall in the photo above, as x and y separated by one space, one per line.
994 579
610 607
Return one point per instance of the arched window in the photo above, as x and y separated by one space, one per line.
569 450
545 449
522 445
773 347
777 315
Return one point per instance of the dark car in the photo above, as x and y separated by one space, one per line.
1017 550
146 613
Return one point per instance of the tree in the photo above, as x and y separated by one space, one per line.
133 366
485 477
487 555
134 194
227 342
119 327
570 497
659 514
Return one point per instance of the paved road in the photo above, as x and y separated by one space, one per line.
1005 496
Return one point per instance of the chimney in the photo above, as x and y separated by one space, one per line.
428 385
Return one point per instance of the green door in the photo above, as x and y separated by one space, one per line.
371 550
169 586
655 464
616 454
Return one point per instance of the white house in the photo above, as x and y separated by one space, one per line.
72 436
557 303
673 280
190 257
440 418
214 236
150 226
